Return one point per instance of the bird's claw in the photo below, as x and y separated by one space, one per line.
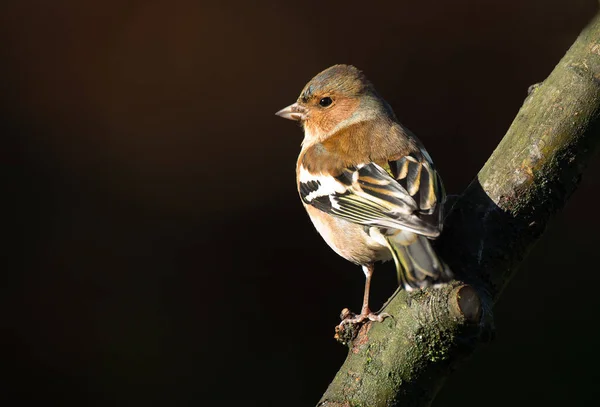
347 330
348 317
378 317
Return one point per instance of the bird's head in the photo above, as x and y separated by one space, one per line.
334 99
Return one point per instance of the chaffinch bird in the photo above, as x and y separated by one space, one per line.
368 185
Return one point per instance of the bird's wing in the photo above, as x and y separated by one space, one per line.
406 194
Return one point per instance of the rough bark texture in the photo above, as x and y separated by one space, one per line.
492 225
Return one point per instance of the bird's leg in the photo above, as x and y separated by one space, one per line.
365 313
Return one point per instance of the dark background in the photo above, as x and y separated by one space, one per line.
159 254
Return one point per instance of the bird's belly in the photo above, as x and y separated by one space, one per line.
349 240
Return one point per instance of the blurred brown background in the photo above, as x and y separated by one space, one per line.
159 254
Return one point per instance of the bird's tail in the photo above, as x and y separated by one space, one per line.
417 264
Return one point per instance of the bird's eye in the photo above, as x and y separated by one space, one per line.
326 101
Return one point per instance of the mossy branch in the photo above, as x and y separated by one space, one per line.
491 227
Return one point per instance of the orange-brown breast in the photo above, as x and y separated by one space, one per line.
377 141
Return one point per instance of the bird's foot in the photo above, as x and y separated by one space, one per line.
348 317
347 330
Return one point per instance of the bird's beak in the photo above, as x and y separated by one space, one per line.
293 112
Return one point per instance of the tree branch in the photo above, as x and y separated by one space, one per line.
491 227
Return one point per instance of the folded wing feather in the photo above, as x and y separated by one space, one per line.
404 197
